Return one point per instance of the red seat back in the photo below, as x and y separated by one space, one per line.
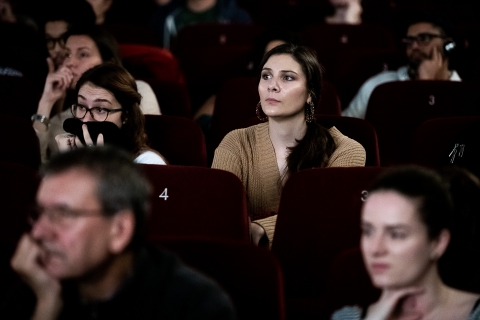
349 282
396 109
328 40
318 218
433 140
179 139
195 201
250 275
171 96
146 61
18 141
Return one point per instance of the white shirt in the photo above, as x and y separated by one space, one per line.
149 157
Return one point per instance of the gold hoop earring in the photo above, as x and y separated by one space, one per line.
260 115
309 112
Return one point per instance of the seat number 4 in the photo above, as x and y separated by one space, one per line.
164 194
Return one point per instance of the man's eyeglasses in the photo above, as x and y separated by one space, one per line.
59 215
51 42
98 114
422 39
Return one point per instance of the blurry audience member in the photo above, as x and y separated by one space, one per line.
345 12
86 258
108 93
58 18
264 155
264 43
168 19
100 7
9 14
405 230
87 46
428 41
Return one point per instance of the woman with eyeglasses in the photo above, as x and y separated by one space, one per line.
87 46
108 93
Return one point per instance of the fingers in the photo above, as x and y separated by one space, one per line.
86 136
66 141
389 301
51 65
78 142
100 141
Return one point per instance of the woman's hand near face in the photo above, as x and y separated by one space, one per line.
88 138
68 141
56 84
389 303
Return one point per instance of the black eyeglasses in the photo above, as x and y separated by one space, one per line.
60 215
51 41
422 39
97 113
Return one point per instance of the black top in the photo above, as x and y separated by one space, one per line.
161 287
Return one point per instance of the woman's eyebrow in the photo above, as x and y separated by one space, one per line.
96 100
281 71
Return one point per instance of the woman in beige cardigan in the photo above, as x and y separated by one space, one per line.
264 155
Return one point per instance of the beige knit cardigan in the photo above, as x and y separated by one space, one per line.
249 154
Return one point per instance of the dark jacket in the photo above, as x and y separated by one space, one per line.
164 21
161 287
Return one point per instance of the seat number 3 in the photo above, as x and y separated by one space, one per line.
164 194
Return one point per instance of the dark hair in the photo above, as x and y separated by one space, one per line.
104 40
117 80
120 182
316 147
462 254
73 12
435 206
437 20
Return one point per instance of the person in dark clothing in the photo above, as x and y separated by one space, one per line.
169 18
86 258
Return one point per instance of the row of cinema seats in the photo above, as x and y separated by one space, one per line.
314 265
420 137
210 54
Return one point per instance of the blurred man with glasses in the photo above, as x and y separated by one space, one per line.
428 41
86 258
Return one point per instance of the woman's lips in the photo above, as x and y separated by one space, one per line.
379 267
272 100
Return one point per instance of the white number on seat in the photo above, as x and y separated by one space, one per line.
164 194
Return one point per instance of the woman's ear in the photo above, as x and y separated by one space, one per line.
440 244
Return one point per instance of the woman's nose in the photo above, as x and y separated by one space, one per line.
378 246
272 86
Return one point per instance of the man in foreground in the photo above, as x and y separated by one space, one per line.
85 256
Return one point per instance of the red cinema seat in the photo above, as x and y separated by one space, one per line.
349 283
179 139
195 201
18 141
328 40
146 61
318 218
396 109
249 274
171 96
